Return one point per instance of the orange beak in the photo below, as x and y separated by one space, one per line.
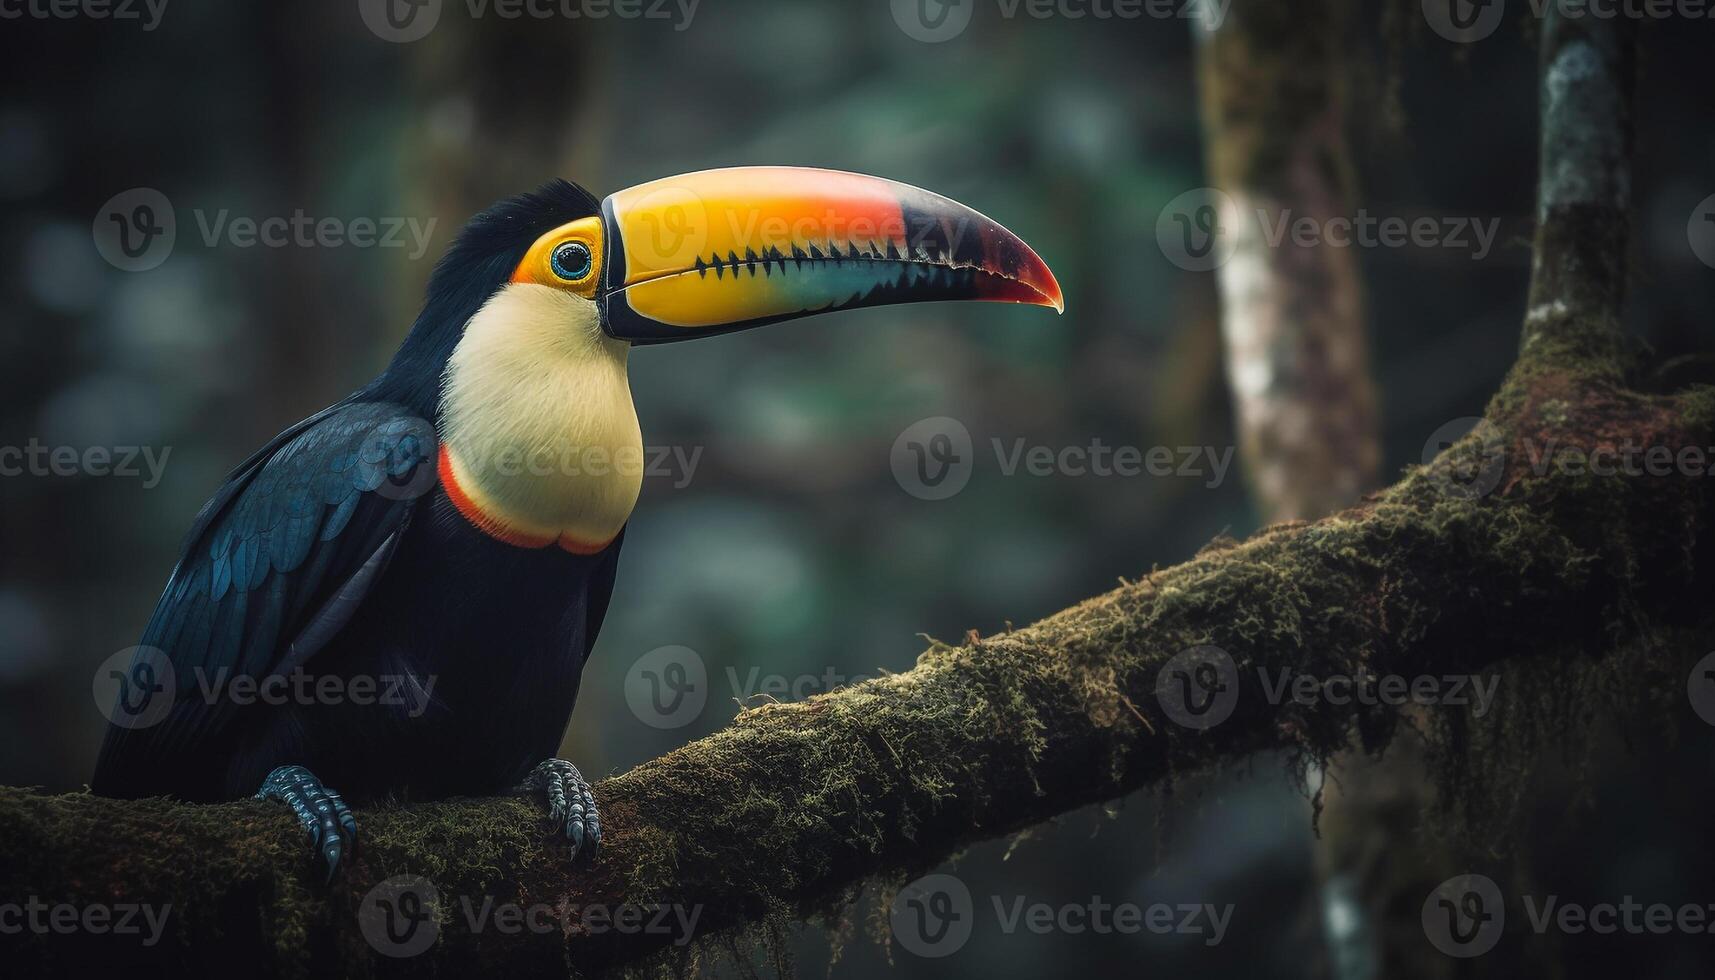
723 250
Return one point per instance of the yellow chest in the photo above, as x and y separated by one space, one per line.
540 444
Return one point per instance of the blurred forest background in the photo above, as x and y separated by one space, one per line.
791 549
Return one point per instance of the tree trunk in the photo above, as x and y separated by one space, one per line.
1273 85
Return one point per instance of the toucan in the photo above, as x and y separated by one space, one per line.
440 536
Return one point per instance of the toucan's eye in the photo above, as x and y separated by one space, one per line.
571 261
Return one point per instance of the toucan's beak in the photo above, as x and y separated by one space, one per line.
722 250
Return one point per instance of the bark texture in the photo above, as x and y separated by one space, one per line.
1273 84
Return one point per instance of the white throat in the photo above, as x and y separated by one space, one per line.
537 420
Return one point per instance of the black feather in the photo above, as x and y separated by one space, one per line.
248 580
477 264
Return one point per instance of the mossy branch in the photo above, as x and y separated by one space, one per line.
792 806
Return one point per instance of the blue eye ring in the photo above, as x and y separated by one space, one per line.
571 261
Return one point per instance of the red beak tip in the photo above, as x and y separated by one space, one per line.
1046 286
1051 294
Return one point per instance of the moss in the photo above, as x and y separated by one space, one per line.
222 872
1558 577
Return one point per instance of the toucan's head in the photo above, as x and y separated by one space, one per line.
721 250
533 309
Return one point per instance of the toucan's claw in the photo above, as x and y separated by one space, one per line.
571 806
331 826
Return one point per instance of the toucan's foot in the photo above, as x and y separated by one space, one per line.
333 830
571 805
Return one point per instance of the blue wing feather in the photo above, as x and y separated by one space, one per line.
292 529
